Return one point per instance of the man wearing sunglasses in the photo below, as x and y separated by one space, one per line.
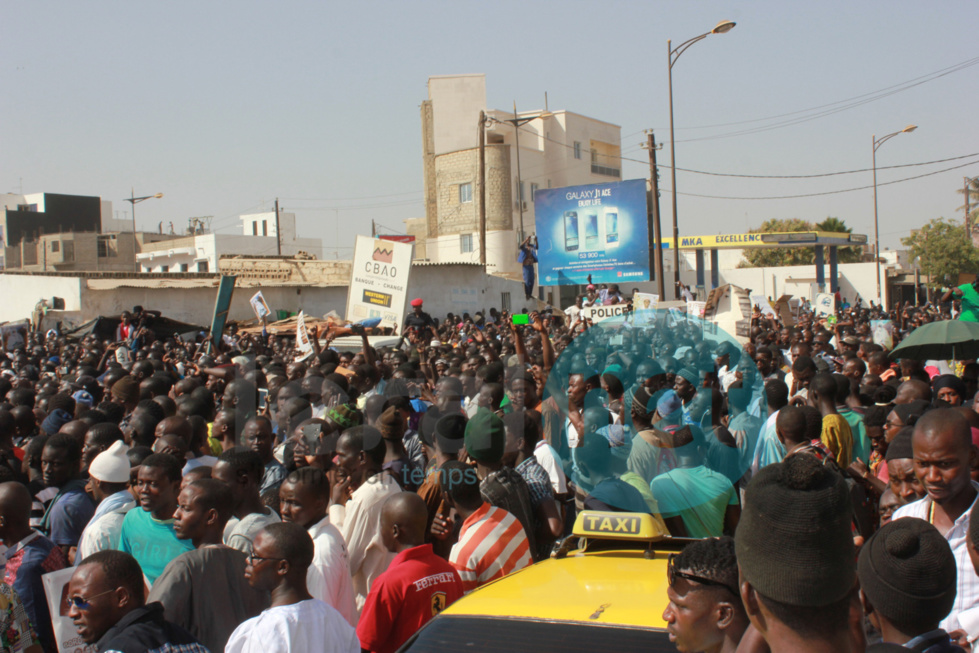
106 604
705 612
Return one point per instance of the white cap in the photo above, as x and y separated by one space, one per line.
112 465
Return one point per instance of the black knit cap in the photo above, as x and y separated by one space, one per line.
793 542
907 571
900 446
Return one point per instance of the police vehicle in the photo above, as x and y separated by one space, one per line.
605 589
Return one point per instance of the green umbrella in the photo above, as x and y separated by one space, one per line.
945 340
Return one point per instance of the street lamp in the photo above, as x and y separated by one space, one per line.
722 27
877 143
517 121
132 199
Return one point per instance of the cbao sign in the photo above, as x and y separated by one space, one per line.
379 281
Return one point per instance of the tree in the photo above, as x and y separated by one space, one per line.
943 251
779 256
843 254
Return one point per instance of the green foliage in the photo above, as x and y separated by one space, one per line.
779 256
943 250
843 254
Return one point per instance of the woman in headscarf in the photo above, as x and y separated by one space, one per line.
949 388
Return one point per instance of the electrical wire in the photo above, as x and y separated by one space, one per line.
830 192
913 82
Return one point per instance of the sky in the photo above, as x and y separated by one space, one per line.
224 106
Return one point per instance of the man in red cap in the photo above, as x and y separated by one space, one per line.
420 321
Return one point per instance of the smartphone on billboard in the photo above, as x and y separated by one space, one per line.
591 231
611 229
520 318
571 231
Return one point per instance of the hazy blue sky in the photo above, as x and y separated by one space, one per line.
223 106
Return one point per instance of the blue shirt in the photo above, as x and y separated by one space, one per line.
152 542
70 514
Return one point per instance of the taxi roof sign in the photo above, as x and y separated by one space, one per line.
617 526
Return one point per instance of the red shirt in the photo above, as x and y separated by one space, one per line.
416 586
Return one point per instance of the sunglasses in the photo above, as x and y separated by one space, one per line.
672 573
84 604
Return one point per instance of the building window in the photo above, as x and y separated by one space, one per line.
164 268
202 266
55 245
265 227
533 189
68 255
465 193
505 301
520 193
466 243
184 267
255 228
577 150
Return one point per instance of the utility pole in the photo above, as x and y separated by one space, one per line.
373 230
278 235
481 134
657 232
516 141
968 227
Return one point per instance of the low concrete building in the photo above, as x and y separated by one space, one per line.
261 235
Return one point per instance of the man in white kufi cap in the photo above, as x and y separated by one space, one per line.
109 473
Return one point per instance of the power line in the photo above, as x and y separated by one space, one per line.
726 174
828 112
829 192
914 82
827 174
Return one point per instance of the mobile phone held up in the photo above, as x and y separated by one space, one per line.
520 319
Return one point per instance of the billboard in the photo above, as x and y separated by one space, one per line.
379 281
599 229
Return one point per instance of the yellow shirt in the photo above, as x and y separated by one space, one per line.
838 438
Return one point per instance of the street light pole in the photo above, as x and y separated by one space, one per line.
877 143
721 28
517 123
132 199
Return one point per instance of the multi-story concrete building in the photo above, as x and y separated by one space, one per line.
200 252
557 148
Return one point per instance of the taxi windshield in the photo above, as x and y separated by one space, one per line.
477 634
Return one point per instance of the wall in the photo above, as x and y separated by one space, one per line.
22 292
456 103
461 288
196 305
445 288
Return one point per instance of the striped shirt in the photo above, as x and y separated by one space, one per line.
967 582
492 544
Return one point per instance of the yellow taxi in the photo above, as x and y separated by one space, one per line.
608 593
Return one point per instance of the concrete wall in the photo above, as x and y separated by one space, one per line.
196 305
456 103
461 289
444 288
21 293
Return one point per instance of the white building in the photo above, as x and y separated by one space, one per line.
261 236
557 148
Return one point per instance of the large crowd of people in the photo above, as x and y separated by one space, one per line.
225 493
